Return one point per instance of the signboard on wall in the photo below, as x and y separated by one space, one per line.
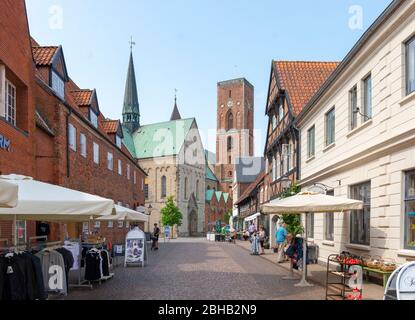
5 144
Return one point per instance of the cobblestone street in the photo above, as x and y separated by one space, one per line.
194 269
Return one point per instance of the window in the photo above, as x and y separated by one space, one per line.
146 193
330 126
135 177
278 165
10 103
281 111
127 224
110 161
230 121
72 137
274 122
353 107
163 186
128 172
96 153
230 93
410 66
310 225
329 222
360 219
120 224
197 190
311 142
288 160
410 210
110 224
367 98
82 143
119 167
185 188
229 144
118 141
58 85
93 118
21 231
274 169
97 225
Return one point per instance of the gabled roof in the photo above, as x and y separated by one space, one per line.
247 193
82 97
110 126
209 195
148 139
226 197
302 79
210 175
43 56
218 195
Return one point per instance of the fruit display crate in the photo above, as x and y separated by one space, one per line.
338 276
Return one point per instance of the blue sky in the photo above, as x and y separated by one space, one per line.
191 45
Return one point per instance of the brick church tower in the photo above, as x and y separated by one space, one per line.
235 126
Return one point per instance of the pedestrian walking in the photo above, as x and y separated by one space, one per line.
255 244
155 238
262 238
281 236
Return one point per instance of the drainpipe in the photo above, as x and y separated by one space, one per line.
68 172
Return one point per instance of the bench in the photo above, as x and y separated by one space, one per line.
385 274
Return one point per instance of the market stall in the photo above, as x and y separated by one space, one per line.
47 202
8 194
310 202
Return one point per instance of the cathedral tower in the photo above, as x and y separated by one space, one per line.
131 107
235 125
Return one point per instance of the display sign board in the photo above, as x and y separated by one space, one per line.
135 247
406 283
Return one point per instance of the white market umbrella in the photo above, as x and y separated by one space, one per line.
8 194
310 202
125 214
44 201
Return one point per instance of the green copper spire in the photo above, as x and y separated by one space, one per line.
131 108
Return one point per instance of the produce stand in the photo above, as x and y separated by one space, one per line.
338 276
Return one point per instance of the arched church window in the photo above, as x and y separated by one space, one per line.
230 121
163 186
230 144
185 188
197 190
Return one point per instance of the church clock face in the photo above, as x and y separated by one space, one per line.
230 103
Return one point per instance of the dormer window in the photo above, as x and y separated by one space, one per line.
118 141
93 118
58 85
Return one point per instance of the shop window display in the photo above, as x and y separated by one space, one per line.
410 210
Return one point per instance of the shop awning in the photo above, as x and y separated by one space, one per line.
8 194
125 214
43 201
252 217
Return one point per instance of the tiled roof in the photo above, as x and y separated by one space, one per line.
44 55
144 145
110 126
250 188
302 79
82 97
210 175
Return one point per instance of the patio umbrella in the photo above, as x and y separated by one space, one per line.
125 214
310 202
43 201
8 194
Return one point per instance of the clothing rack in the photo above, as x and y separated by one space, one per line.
99 246
81 283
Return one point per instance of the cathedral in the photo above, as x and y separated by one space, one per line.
172 155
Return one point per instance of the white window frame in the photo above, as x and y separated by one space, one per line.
367 97
72 137
128 172
10 103
82 145
118 141
58 85
135 177
119 167
93 118
311 142
110 161
96 153
410 67
110 224
326 124
274 168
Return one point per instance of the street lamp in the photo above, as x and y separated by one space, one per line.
285 183
150 208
